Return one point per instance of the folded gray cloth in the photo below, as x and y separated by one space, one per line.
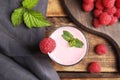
20 58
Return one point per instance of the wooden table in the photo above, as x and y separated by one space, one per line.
57 16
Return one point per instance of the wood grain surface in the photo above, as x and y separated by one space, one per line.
58 18
55 8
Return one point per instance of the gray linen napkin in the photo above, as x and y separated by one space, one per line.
20 58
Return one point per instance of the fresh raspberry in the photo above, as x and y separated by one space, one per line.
117 3
47 45
113 20
108 3
94 67
101 49
97 12
99 5
111 11
88 1
117 14
104 18
88 7
96 23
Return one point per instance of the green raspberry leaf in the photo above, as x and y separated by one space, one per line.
29 3
78 43
35 19
17 16
67 35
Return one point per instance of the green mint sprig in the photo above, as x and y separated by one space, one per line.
73 42
30 17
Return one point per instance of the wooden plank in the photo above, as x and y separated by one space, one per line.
55 8
107 61
88 75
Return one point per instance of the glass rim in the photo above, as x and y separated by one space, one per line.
86 51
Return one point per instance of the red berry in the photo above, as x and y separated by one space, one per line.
101 49
97 12
113 20
88 1
88 7
94 67
108 3
117 3
117 14
47 45
99 5
104 18
111 11
96 23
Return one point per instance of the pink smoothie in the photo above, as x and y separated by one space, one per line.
63 54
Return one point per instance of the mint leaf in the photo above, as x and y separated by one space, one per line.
29 3
35 19
78 43
72 43
16 16
67 35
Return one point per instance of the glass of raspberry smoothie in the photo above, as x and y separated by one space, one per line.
64 54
